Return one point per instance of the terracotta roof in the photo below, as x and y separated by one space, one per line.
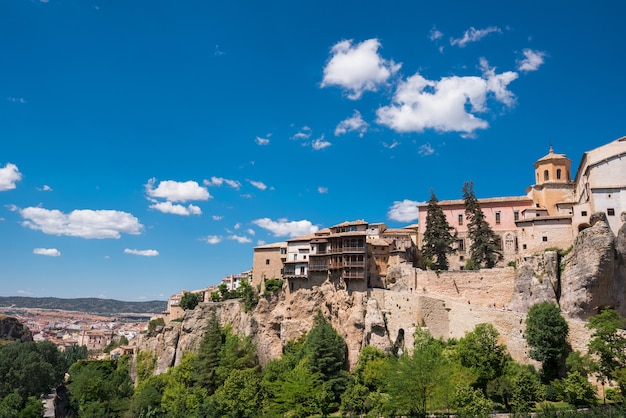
273 245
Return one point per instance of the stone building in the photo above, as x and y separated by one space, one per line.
268 263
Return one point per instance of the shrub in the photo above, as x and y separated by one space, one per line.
273 285
158 322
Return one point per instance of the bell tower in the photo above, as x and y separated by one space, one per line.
553 183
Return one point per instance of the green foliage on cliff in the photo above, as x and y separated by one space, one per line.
438 237
484 242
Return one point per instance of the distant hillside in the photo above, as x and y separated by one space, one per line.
86 305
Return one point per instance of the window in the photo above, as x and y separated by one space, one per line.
295 256
546 175
498 217
523 246
544 239
460 219
267 261
461 258
516 215
558 174
461 245
583 213
283 251
610 212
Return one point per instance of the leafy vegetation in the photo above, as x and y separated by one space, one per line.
438 237
484 242
272 285
189 300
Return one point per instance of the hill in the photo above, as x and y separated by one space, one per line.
86 305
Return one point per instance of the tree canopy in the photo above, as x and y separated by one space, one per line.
484 242
438 237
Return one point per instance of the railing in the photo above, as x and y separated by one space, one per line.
318 266
346 249
353 275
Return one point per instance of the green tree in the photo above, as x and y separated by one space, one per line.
484 242
470 402
326 352
413 381
237 353
240 395
208 357
607 342
189 300
300 393
526 388
438 238
480 352
575 389
546 334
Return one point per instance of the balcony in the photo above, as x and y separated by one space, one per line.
318 266
348 249
354 275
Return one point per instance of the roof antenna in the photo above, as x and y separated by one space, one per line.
551 150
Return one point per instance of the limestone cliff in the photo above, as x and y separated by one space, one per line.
448 303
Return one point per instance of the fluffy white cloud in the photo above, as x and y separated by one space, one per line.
250 231
262 141
355 123
532 60
240 239
45 188
213 239
84 223
218 181
145 253
320 143
474 35
9 175
301 135
50 252
392 145
176 209
358 68
216 217
403 211
283 227
447 105
426 149
258 184
322 190
176 191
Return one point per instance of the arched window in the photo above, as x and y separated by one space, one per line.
558 174
546 176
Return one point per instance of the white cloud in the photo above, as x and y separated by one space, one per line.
358 68
262 141
9 175
84 223
51 252
301 135
216 217
218 181
435 34
176 191
240 239
283 227
322 190
403 211
260 242
237 226
45 188
24 292
258 184
532 60
145 253
251 231
474 35
176 209
426 149
320 143
392 145
213 239
447 105
355 123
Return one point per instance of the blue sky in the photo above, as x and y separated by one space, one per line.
148 146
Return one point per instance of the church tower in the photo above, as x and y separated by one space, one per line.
553 184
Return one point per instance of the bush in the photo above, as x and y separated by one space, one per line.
158 322
273 285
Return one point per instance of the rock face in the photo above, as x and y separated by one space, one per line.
591 279
449 304
12 329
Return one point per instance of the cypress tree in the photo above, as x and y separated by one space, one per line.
208 359
484 242
438 238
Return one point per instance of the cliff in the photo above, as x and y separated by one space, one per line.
448 303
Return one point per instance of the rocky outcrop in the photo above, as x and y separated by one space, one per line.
590 279
448 304
13 330
537 280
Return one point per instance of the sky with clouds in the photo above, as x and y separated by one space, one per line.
148 147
